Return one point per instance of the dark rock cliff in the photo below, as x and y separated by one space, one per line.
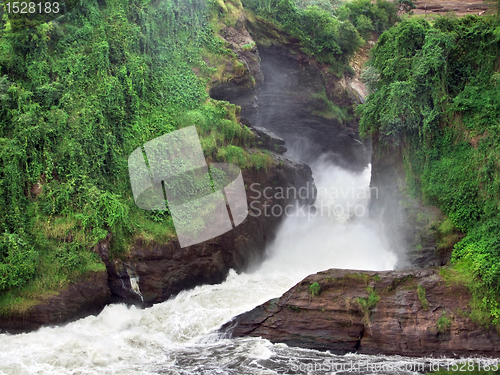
372 313
87 296
152 272
410 227
296 98
162 270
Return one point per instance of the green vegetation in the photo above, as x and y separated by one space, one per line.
314 289
78 94
437 95
321 35
368 304
368 17
447 236
481 308
248 47
81 90
324 107
443 323
422 298
324 32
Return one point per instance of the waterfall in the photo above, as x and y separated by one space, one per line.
178 336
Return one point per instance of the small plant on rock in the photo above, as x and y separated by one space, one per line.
314 289
443 323
422 298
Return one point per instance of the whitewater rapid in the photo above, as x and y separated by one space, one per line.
179 336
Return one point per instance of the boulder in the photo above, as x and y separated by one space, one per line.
86 296
268 140
372 313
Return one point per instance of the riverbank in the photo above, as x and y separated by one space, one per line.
411 313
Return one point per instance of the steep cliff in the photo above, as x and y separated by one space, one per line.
434 148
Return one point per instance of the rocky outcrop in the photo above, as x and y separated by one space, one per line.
242 75
295 97
161 270
459 7
152 272
414 313
268 140
84 297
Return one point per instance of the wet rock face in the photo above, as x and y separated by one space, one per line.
163 270
291 103
242 81
82 298
152 272
409 226
268 140
371 313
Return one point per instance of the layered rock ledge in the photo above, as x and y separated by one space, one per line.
414 313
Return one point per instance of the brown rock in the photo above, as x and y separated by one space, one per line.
344 318
163 270
80 299
460 7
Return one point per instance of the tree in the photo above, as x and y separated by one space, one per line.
405 6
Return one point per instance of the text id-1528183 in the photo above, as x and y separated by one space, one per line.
32 7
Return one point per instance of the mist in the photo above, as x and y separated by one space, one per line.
338 233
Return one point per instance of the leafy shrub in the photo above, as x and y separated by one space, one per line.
17 261
367 305
422 298
367 16
321 35
314 289
443 323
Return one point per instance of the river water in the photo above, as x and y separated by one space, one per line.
180 336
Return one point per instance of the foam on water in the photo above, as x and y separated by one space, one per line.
177 336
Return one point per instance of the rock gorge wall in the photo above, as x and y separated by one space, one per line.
296 98
413 313
163 270
410 227
417 312
152 272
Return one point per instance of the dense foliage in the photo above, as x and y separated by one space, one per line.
368 17
78 94
437 94
331 35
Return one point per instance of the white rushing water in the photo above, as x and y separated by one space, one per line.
177 336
